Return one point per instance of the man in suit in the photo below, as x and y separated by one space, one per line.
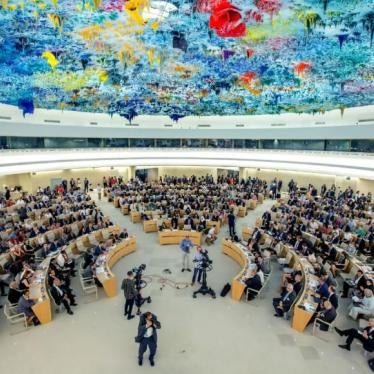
366 337
253 282
322 289
256 236
298 284
129 290
147 336
231 220
283 304
61 296
333 297
327 314
357 282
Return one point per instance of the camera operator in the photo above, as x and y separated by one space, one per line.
147 336
130 292
198 262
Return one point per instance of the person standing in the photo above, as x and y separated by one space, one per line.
86 185
98 191
186 245
147 336
129 291
231 220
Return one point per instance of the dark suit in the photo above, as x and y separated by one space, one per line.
347 286
352 334
59 298
297 287
334 300
287 300
328 316
231 221
145 342
255 283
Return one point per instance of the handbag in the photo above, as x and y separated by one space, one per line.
138 339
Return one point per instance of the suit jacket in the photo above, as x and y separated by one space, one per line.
328 316
256 236
288 301
361 282
297 287
333 298
56 295
254 282
369 344
142 328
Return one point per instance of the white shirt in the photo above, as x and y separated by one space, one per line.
149 332
60 260
211 231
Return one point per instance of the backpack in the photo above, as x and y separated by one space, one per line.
236 238
225 290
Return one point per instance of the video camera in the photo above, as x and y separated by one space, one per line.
138 271
139 284
206 262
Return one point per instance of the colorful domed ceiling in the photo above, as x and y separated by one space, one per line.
180 58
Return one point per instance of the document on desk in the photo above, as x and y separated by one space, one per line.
309 307
34 293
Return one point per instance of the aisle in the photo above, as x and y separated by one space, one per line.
157 257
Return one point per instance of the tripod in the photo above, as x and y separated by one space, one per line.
204 289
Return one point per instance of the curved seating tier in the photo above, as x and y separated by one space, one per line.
237 253
103 271
39 292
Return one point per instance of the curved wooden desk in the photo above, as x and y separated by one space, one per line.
305 306
176 236
103 271
85 239
38 292
236 253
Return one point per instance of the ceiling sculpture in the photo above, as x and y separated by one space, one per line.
180 58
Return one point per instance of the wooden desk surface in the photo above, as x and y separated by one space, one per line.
135 217
150 225
39 292
176 236
236 253
103 271
305 306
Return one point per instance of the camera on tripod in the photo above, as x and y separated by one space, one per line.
138 272
139 284
206 262
206 265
